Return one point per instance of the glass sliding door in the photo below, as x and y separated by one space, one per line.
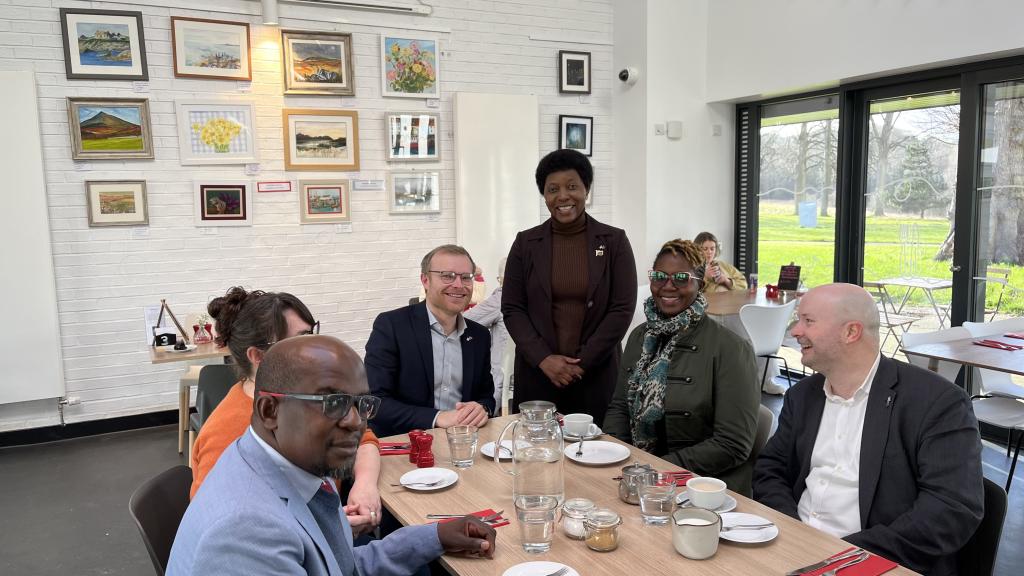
796 192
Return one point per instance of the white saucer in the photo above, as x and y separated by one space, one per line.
446 476
506 454
538 569
754 536
593 432
188 348
597 452
728 505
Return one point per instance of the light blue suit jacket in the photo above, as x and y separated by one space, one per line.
248 519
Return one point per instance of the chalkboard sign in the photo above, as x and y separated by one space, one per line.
789 277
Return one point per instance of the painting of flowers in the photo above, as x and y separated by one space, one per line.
210 49
116 202
317 63
323 201
109 128
410 67
103 44
223 203
321 139
216 132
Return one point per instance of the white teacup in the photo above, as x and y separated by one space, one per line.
695 532
577 424
705 492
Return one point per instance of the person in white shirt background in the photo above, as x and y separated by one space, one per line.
488 314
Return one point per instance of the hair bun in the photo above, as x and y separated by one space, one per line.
225 309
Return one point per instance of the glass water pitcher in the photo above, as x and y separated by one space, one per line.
536 452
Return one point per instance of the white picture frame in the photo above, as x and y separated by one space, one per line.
413 136
420 75
216 132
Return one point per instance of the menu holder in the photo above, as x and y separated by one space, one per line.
160 318
789 277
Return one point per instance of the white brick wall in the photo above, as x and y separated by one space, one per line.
106 275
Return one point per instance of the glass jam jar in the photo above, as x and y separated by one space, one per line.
602 529
574 517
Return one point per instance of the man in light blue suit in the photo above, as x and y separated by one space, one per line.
269 507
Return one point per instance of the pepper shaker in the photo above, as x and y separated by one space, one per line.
425 455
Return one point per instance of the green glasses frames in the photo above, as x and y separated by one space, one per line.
680 279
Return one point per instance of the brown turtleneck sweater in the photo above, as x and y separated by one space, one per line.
568 282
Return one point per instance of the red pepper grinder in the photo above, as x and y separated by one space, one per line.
414 450
425 456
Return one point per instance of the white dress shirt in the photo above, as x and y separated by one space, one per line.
831 498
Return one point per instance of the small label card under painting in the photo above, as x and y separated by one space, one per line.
245 87
252 169
140 86
283 186
343 228
789 277
367 184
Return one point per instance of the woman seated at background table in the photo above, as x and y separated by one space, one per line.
248 323
719 276
686 389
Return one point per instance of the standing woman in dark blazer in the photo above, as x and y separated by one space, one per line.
569 295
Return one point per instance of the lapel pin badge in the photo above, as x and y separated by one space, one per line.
888 401
468 338
599 251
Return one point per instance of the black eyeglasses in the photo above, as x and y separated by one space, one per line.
680 279
314 329
335 406
448 277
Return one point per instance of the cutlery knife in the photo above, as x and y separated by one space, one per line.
826 562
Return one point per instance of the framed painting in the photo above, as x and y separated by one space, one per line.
216 132
211 49
321 139
116 202
317 63
576 133
414 192
109 128
223 203
573 72
324 201
410 67
103 44
412 136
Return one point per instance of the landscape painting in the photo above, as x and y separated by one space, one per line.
210 49
321 139
110 128
223 203
415 192
116 202
103 44
323 201
319 63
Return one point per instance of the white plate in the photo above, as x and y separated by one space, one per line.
755 536
538 569
188 348
594 432
597 452
728 505
506 454
446 476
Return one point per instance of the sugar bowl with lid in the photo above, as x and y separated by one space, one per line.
633 477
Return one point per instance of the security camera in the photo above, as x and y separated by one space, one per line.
629 75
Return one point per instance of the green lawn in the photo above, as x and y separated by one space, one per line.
119 143
781 241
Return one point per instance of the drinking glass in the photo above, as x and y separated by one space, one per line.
462 442
536 515
657 498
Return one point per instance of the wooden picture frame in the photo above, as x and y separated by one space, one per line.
412 136
573 72
109 128
116 203
324 201
410 67
210 49
576 133
109 44
317 63
320 139
223 202
216 132
414 192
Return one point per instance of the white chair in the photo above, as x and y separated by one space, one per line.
766 326
1001 402
946 369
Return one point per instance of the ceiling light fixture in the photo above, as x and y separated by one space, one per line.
270 17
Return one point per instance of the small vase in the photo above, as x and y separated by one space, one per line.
202 334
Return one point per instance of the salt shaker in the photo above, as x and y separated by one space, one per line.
424 456
413 448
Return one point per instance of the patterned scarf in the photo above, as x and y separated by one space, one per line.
648 381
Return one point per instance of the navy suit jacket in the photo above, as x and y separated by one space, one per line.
921 491
400 369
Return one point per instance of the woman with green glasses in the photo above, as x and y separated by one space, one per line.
686 389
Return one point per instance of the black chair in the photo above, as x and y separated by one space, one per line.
215 380
978 556
157 507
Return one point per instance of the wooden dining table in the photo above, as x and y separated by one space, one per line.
165 354
965 352
644 550
729 303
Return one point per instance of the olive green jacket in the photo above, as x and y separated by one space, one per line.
711 403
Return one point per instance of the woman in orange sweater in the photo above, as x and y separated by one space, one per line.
248 323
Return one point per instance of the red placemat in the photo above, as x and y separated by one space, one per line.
873 566
393 448
501 521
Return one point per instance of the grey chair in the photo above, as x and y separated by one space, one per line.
157 507
215 380
765 419
978 556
